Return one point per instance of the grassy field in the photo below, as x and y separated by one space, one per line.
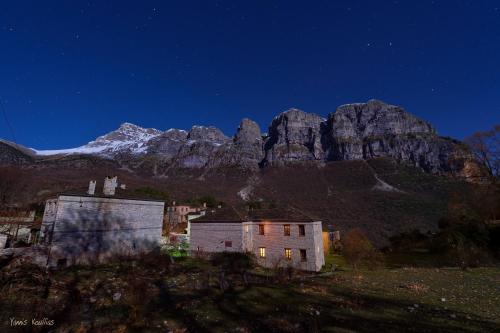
146 296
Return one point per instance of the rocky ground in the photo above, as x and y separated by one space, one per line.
155 295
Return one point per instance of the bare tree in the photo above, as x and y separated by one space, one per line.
486 148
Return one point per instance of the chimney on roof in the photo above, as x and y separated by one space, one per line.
91 190
110 185
173 203
204 205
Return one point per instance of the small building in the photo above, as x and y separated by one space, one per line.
277 237
82 228
178 214
18 226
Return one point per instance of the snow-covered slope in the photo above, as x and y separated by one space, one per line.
128 138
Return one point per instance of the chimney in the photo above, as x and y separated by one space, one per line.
91 190
173 203
110 185
204 205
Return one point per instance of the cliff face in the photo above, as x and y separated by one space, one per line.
294 135
359 132
376 129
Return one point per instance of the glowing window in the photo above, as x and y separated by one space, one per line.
262 252
288 254
286 230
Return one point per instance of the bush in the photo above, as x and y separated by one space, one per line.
358 249
232 263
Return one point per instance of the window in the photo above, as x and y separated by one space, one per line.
261 229
303 255
288 254
262 252
247 228
286 229
228 244
302 230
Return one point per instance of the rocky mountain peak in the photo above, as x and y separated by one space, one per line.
294 135
375 118
248 133
210 133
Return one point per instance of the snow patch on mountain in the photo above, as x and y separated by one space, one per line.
128 138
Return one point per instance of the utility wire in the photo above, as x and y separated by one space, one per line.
13 137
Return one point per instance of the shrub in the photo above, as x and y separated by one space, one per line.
358 249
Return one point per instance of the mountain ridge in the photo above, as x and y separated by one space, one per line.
356 131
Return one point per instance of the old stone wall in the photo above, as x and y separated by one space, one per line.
92 228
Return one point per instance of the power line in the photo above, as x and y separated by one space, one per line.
13 137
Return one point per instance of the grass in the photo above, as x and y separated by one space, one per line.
175 298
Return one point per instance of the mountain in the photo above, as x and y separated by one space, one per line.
360 131
128 138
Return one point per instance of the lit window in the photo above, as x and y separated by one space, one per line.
302 230
262 252
288 254
261 229
286 230
303 255
228 244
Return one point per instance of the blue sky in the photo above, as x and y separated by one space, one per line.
73 70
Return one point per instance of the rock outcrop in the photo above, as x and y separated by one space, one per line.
376 129
294 135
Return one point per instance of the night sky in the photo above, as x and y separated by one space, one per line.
73 70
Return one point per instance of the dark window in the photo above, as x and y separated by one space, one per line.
286 230
62 262
302 230
228 244
261 229
303 255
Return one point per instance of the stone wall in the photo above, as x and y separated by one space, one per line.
87 229
212 237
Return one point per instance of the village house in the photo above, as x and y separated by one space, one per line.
18 227
83 228
178 214
277 237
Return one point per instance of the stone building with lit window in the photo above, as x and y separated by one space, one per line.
277 237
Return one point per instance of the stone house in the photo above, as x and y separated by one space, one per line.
18 226
86 228
277 237
178 214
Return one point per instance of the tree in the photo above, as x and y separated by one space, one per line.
486 148
357 248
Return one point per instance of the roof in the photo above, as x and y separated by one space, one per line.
231 214
282 214
107 197
224 214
